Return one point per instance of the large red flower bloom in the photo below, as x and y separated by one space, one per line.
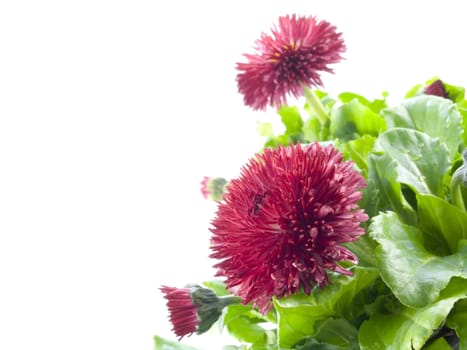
293 56
281 223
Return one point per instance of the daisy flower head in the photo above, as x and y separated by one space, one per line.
298 49
281 223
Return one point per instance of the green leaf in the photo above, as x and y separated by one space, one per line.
375 105
359 149
457 320
353 119
383 191
416 90
436 116
409 328
313 344
438 344
265 129
455 93
298 314
462 108
414 275
217 286
278 140
443 223
165 344
291 119
339 332
312 130
363 249
421 161
242 322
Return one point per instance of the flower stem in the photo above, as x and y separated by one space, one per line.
229 300
316 105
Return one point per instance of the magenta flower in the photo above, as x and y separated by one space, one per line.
281 223
436 88
194 308
292 57
183 312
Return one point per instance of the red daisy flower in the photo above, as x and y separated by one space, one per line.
281 223
293 56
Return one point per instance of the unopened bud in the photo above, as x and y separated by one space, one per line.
436 88
213 187
194 308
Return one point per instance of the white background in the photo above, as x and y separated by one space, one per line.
111 112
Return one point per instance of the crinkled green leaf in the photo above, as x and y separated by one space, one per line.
383 191
457 320
414 275
298 314
375 105
353 119
436 116
409 328
421 161
443 224
165 344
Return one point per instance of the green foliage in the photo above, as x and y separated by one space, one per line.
409 290
443 224
415 276
353 120
409 328
383 191
457 320
435 116
298 314
242 322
